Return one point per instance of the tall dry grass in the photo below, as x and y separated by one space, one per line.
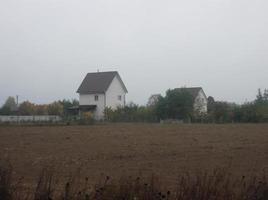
218 185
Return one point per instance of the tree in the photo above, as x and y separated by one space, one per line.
177 104
265 95
211 104
55 108
259 97
27 108
9 106
75 102
223 112
41 109
161 108
153 100
66 103
261 106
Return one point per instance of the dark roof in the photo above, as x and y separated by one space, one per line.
192 90
98 82
87 107
76 109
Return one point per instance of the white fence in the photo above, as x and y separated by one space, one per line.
32 118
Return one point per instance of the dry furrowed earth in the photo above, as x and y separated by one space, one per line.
135 149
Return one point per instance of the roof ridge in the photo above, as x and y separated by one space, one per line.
190 87
102 72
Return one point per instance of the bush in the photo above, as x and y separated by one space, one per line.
130 113
86 118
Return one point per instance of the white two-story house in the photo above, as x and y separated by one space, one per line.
101 90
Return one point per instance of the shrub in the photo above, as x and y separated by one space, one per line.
86 118
130 113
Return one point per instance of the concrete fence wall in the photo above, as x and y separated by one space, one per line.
32 118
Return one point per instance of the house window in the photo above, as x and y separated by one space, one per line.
119 97
96 97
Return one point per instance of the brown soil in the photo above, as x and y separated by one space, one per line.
134 149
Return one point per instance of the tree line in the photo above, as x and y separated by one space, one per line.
178 105
175 105
59 108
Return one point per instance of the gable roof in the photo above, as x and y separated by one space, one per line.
98 82
192 90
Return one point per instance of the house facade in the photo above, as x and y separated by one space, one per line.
101 90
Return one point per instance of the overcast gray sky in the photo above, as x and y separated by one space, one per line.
48 46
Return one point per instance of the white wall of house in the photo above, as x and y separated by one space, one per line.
200 104
89 99
113 92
